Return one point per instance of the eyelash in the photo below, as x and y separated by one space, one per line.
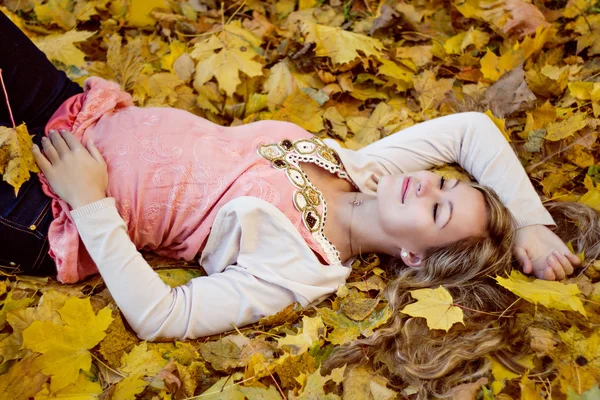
436 204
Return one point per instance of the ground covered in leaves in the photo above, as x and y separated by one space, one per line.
355 70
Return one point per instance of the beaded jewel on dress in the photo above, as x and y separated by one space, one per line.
287 155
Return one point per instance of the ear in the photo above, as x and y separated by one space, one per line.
411 259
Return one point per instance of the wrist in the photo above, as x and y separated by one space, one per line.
84 200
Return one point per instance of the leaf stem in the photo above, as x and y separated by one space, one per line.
481 312
7 102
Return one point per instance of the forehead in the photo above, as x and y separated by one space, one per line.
469 214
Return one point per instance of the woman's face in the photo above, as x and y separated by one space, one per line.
422 210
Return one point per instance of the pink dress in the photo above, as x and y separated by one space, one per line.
171 171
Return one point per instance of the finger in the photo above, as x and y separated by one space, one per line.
59 143
566 264
523 259
556 267
40 159
71 140
50 151
91 146
573 259
549 274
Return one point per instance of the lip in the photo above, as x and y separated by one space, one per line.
405 186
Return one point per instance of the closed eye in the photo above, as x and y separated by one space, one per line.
435 207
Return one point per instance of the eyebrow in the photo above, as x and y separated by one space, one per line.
451 205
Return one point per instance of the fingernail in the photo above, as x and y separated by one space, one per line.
556 254
63 131
34 147
45 138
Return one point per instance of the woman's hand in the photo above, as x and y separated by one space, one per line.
77 175
543 253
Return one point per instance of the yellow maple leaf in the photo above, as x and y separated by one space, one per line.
236 54
16 157
65 348
493 67
436 306
60 47
340 45
568 127
139 363
550 294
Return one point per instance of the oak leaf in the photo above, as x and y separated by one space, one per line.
550 294
436 306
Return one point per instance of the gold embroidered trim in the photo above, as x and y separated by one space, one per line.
287 155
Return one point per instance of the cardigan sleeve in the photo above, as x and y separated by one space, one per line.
257 267
470 139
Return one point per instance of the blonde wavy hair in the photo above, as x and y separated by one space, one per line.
433 361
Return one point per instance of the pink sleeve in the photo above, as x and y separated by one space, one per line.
79 112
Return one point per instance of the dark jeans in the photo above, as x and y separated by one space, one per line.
35 90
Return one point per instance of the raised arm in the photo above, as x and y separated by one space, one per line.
473 141
470 139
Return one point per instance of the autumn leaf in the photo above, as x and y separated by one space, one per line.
236 53
344 330
65 348
547 293
139 363
563 129
314 383
16 157
61 48
340 45
313 330
493 67
22 380
436 306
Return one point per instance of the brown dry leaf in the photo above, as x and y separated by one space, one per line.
357 307
431 91
16 157
509 94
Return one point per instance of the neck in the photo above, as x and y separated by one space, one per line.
358 218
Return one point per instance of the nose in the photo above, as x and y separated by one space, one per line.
424 187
